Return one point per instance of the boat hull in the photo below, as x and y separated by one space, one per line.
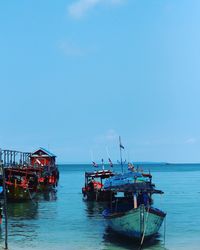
98 195
45 187
137 223
19 194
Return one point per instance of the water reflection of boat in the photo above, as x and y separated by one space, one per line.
23 226
132 214
123 242
27 210
49 195
94 209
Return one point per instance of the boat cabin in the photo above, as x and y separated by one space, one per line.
97 176
94 186
42 157
136 187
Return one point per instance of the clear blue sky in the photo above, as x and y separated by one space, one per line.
75 74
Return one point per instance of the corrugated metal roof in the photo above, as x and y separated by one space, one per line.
45 151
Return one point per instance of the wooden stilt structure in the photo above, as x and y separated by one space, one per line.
5 208
4 201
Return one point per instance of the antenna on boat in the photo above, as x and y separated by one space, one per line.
109 159
94 164
120 149
102 163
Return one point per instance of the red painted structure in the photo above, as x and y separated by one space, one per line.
42 157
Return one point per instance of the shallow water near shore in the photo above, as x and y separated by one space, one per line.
62 220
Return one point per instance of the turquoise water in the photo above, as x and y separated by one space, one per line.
63 221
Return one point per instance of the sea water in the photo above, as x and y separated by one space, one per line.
63 221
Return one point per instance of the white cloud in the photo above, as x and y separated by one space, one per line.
109 136
191 140
80 7
70 50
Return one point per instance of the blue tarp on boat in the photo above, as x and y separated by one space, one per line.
124 179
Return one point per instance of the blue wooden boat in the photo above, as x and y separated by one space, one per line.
138 223
132 213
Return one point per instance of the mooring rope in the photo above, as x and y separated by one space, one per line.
164 229
31 197
145 227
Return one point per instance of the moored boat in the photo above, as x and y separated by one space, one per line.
132 213
135 223
39 173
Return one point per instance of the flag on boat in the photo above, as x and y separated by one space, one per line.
120 144
110 162
95 164
130 166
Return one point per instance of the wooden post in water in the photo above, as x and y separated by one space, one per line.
5 205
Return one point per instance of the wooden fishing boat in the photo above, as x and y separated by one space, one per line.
21 184
132 214
94 186
136 223
32 173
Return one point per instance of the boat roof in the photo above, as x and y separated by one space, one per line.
99 174
131 182
135 188
43 150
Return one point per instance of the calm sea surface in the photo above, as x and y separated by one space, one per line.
63 221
